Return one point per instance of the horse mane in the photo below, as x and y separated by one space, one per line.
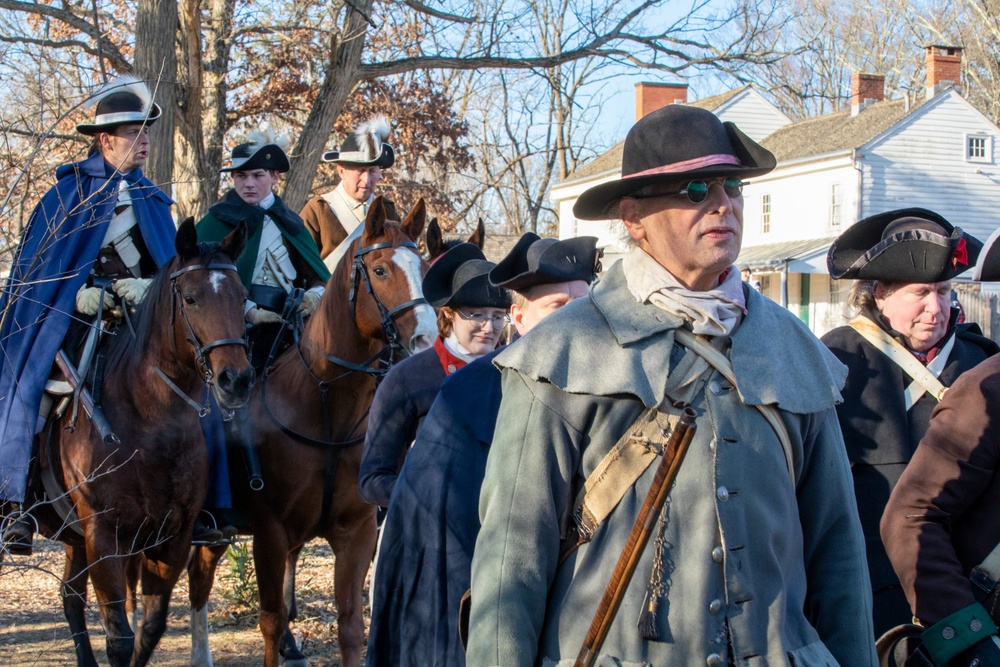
126 350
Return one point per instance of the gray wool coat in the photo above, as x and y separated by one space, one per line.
756 572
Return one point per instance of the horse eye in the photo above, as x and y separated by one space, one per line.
189 300
380 271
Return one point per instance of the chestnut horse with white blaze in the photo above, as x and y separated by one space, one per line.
309 415
133 501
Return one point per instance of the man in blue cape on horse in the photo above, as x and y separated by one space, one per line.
103 220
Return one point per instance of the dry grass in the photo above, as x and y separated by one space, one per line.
34 633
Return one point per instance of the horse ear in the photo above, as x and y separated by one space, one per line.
414 223
435 240
478 237
375 221
186 240
236 241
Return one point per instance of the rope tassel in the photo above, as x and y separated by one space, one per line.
649 628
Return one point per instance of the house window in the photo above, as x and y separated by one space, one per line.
978 148
836 204
765 214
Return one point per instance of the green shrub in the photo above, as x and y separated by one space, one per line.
241 580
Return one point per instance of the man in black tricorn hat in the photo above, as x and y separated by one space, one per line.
902 350
755 557
335 218
425 555
98 235
280 256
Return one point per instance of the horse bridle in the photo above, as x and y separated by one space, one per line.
360 269
201 350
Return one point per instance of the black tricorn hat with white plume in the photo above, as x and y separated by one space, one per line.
262 150
366 146
121 101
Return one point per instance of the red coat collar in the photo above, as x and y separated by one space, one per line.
449 362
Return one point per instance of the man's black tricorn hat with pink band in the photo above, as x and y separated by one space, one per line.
676 143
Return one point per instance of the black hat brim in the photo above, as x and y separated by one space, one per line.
269 156
444 284
598 202
913 256
126 118
561 262
386 158
988 267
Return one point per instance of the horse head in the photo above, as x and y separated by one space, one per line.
437 246
207 301
386 277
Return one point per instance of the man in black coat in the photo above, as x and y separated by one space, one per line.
425 556
904 262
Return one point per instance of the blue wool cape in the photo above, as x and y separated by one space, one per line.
58 248
425 557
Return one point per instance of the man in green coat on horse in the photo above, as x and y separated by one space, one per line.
281 256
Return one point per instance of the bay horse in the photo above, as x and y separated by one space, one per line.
310 414
437 246
136 499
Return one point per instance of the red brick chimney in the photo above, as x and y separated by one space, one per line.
866 89
944 68
653 96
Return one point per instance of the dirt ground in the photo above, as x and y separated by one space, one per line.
33 630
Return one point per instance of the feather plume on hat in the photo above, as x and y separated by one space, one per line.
126 83
371 135
267 135
263 149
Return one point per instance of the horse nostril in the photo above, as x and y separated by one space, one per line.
226 380
419 343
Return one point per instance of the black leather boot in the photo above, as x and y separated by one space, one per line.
18 535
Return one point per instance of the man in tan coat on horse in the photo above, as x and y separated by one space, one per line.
336 218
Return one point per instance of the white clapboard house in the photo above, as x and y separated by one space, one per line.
937 153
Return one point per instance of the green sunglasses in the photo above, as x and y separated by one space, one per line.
697 191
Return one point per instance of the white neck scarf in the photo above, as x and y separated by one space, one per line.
715 312
456 348
267 201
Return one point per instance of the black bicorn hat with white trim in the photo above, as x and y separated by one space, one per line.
124 100
672 144
536 261
912 245
262 151
460 277
366 147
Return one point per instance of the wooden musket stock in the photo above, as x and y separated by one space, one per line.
663 480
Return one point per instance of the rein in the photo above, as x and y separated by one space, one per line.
200 350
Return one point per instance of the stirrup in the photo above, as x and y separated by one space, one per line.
17 533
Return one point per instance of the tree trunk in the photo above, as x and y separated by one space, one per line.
342 74
156 63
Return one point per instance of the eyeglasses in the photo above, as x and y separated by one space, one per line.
480 319
697 191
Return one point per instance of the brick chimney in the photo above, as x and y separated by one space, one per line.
944 68
866 89
652 96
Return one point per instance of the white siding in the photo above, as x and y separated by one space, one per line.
800 201
753 114
921 162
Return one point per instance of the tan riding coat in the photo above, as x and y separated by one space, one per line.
755 571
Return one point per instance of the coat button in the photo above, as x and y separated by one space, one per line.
714 660
714 606
717 554
976 625
451 368
722 494
948 633
715 387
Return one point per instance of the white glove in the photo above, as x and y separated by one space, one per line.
264 316
309 302
132 290
88 299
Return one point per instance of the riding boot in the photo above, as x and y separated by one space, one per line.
205 534
17 537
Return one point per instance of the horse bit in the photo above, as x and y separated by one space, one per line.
200 350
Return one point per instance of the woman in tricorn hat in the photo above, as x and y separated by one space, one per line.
901 350
471 316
